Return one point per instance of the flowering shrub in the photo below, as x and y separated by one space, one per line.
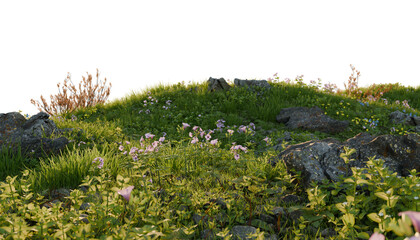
89 95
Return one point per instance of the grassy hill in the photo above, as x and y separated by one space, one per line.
183 148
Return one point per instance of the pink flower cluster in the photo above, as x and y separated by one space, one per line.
235 150
146 146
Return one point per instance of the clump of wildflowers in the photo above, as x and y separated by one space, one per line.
235 150
330 87
220 124
100 160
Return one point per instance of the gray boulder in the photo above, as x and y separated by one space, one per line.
312 119
320 160
251 83
32 135
398 117
216 84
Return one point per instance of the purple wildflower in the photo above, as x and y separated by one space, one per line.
133 150
213 142
126 192
121 147
100 160
220 124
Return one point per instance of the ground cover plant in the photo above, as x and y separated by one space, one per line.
179 162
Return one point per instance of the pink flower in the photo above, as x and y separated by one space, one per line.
126 192
377 236
208 137
230 131
161 139
195 140
242 129
236 156
121 147
149 135
185 125
415 218
213 142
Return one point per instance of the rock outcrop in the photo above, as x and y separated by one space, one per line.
398 117
312 119
320 159
33 136
216 84
251 83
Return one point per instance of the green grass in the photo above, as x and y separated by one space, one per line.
175 179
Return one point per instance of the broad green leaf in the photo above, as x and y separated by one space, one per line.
348 180
350 199
348 219
363 235
374 217
341 207
393 201
363 181
382 195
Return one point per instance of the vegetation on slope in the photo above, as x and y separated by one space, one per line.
182 147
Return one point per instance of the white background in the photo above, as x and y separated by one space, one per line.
138 44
